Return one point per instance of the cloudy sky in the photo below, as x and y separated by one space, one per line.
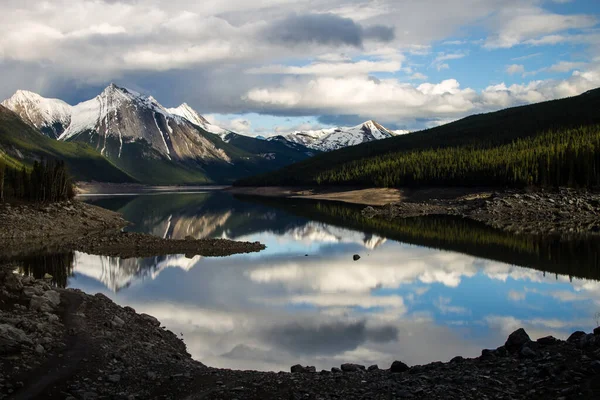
272 66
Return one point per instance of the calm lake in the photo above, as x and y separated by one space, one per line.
424 289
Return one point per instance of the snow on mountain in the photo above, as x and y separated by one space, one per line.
191 115
337 138
118 118
51 116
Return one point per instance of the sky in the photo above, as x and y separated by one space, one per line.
264 67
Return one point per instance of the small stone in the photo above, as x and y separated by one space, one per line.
398 366
117 322
356 257
151 375
114 378
40 349
336 370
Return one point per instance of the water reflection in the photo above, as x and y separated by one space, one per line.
424 289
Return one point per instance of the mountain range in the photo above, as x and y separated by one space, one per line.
154 144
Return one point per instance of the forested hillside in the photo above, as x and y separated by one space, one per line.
551 143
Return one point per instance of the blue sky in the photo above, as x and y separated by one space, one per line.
274 66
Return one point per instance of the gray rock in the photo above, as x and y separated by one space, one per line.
398 366
373 368
547 341
115 378
29 291
516 340
352 367
12 339
150 319
90 396
336 370
40 349
457 359
300 369
117 322
151 375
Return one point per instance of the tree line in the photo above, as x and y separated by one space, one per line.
46 181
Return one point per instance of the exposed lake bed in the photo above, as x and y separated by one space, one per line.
416 295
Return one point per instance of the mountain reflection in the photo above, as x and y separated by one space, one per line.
425 289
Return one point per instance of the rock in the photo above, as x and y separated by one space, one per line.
547 341
576 337
516 340
356 257
48 276
90 396
352 367
117 322
30 291
372 368
595 365
295 369
150 319
527 352
398 366
115 378
12 283
457 359
336 370
40 349
487 354
597 331
45 303
12 339
151 375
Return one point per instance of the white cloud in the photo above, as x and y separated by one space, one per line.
417 76
515 69
362 67
515 26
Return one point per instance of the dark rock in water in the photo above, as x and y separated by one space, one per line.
356 257
302 370
547 341
576 337
398 366
516 340
457 359
373 368
352 367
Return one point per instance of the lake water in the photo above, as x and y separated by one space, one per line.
424 289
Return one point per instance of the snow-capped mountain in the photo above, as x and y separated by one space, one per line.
50 116
191 115
154 144
119 117
337 138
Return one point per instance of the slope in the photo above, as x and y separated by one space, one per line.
374 161
20 144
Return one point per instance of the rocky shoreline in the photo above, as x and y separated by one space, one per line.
65 344
564 211
74 225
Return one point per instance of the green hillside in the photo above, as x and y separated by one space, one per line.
20 145
550 143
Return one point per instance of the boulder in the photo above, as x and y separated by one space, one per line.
352 367
372 368
299 369
527 352
576 337
117 322
12 339
457 359
547 341
336 370
516 340
398 366
597 331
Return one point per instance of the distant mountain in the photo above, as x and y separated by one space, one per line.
475 150
50 116
154 144
337 138
21 145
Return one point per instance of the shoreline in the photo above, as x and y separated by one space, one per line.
31 228
526 211
63 343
